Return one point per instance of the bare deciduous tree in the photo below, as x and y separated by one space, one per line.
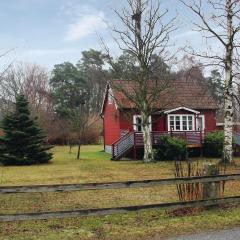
146 33
32 81
83 121
28 79
220 20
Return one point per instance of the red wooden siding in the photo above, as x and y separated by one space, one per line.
117 122
210 119
126 121
159 123
111 123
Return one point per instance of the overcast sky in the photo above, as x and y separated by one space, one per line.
49 32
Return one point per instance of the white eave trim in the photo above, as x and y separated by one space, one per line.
105 94
107 89
181 108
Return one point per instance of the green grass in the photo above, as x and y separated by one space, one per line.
95 166
144 225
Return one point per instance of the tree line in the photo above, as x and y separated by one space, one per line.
67 103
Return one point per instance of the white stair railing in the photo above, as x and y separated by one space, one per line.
122 145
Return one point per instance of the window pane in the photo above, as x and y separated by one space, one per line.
184 123
200 123
177 122
139 128
171 123
138 120
190 123
138 123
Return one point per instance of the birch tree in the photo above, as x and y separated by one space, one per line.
220 20
146 33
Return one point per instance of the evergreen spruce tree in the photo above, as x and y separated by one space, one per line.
22 143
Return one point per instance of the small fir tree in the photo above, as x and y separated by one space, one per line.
22 143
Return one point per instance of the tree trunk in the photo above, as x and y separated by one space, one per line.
228 91
228 123
147 140
79 149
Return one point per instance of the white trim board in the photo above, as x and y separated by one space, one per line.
107 90
181 108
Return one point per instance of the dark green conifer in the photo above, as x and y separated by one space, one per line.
23 140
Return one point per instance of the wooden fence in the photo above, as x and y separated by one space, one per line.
115 185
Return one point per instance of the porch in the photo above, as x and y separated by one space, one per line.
133 140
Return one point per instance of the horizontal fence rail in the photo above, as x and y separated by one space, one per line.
114 185
116 210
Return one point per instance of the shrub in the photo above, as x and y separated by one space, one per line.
213 144
171 148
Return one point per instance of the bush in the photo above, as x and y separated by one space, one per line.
171 148
213 144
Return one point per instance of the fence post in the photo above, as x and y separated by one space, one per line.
211 189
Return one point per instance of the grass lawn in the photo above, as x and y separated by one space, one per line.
95 166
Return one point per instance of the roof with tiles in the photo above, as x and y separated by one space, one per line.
180 93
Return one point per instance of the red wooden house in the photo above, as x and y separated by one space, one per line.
190 113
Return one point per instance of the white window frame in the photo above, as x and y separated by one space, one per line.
203 119
135 122
181 122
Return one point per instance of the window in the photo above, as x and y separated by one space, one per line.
172 123
190 123
184 123
137 123
177 122
201 123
